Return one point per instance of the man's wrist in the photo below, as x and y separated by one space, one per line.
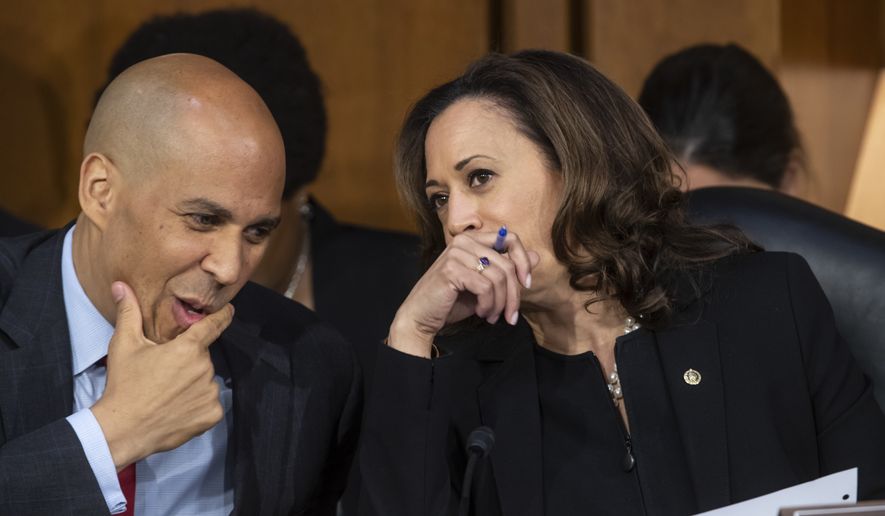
99 457
123 446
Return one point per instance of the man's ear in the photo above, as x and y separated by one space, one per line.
98 176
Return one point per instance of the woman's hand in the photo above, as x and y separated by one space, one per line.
456 287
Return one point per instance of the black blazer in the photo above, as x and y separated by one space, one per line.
781 401
296 395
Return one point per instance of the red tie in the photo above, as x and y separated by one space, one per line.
126 476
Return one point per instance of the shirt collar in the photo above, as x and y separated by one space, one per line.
90 331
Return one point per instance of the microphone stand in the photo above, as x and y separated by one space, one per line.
479 445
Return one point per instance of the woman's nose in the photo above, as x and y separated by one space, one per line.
462 215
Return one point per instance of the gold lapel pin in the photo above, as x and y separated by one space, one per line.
692 377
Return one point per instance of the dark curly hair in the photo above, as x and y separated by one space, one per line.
265 54
619 202
717 105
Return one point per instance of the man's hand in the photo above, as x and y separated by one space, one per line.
157 396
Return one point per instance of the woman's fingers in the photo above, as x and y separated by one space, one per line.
520 258
499 269
514 250
486 284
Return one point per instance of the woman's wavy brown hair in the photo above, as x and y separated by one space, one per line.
620 229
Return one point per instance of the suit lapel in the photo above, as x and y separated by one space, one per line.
700 408
36 385
268 412
509 405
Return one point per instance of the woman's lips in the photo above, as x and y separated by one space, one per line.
185 314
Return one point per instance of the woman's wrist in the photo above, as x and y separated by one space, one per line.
409 339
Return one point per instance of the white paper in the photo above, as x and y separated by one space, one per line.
826 490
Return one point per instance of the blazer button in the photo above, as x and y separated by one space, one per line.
692 377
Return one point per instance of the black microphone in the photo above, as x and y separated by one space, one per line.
479 444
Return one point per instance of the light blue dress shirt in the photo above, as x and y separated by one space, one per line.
188 480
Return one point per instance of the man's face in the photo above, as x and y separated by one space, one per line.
187 234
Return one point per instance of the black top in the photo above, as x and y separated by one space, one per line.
583 439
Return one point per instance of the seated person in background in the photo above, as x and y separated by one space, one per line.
353 277
729 124
628 362
725 117
254 412
11 226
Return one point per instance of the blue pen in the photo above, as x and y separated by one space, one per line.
499 241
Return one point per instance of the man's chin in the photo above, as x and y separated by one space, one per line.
164 335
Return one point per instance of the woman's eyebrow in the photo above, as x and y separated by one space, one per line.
461 164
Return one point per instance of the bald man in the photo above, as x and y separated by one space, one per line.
127 379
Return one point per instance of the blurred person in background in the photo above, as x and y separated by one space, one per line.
726 119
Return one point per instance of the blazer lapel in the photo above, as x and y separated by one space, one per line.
268 411
509 405
699 408
36 385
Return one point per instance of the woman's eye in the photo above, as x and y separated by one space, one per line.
437 201
479 177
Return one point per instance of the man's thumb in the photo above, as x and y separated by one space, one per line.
128 313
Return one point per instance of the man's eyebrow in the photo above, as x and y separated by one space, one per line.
204 205
267 222
458 167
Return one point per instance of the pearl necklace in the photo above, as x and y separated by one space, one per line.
613 381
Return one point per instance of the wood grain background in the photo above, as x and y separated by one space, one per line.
376 57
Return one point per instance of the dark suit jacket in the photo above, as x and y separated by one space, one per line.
360 277
12 226
296 392
781 401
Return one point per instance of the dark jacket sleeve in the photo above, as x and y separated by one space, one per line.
46 472
850 424
346 438
404 449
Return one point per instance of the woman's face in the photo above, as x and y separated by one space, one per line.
483 173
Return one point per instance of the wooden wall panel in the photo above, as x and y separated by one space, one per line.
377 56
625 39
868 185
831 51
374 57
533 24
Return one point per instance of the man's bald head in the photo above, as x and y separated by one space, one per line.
172 107
180 188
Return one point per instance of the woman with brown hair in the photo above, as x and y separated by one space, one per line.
627 361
